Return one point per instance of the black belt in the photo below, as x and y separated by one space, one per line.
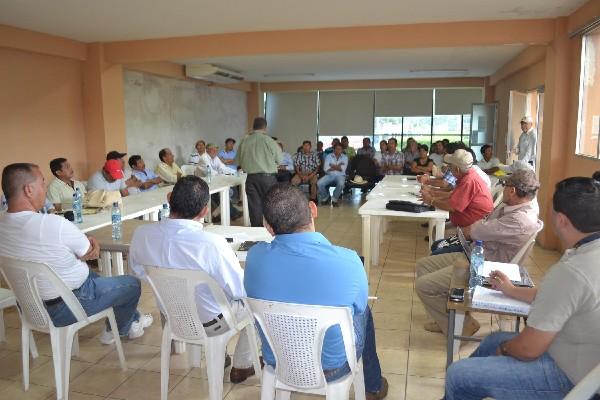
53 302
214 321
263 174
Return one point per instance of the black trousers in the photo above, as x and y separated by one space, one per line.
257 186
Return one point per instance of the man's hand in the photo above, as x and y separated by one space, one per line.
133 182
179 175
423 179
501 282
94 250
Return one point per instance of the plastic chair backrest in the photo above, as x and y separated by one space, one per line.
524 250
587 387
498 196
295 333
175 290
188 169
22 278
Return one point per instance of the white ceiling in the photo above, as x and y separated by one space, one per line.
113 20
386 64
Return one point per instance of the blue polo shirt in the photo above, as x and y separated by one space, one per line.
305 268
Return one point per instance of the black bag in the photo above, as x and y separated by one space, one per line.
403 205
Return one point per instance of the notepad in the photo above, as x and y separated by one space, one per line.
498 301
511 270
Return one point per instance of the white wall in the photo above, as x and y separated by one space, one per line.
163 112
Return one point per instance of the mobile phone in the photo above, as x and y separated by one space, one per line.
457 295
229 240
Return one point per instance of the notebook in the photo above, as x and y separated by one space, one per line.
497 301
511 270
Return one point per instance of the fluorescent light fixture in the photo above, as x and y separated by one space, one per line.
288 74
442 70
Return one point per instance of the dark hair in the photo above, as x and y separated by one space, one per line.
484 148
133 160
306 141
452 147
162 154
229 140
596 175
56 165
445 142
383 141
367 138
579 199
338 144
259 123
394 139
344 137
189 197
15 176
423 146
285 208
335 140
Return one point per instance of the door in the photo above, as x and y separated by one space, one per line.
517 108
484 117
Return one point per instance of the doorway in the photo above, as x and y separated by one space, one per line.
530 103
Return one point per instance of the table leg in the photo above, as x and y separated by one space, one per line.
117 260
375 239
366 242
459 322
154 216
146 217
450 339
225 217
105 263
440 229
245 210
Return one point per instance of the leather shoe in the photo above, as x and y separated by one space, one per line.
381 394
238 375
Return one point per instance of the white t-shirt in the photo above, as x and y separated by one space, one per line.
483 176
99 182
438 159
494 162
49 239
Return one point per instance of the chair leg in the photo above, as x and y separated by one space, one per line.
253 340
267 391
2 330
32 346
58 341
359 382
165 361
194 355
286 394
215 363
25 336
113 327
70 338
338 391
75 351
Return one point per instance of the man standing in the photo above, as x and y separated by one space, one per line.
301 266
560 343
167 169
53 240
62 187
526 148
258 155
367 149
179 242
307 169
227 155
147 177
335 173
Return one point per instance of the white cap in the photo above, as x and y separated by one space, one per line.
527 119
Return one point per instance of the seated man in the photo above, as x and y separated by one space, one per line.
167 169
335 174
227 155
348 150
367 149
503 233
301 266
111 178
199 156
53 240
422 164
149 180
62 187
560 343
307 169
286 168
437 153
489 164
217 167
130 180
180 242
392 161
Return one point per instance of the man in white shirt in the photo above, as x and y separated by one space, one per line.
199 156
437 154
62 187
53 240
286 168
335 173
488 164
167 169
526 148
179 242
111 178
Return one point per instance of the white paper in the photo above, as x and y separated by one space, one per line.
510 270
495 300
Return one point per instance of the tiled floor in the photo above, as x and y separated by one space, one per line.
411 358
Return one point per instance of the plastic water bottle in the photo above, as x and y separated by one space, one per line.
208 174
116 221
77 206
165 212
476 270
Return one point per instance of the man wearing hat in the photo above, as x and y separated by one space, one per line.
503 234
527 141
111 178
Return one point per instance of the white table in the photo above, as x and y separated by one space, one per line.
221 184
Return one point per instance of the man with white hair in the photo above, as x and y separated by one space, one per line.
527 141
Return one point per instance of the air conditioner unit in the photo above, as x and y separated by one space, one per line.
212 73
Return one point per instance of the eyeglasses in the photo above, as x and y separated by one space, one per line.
506 184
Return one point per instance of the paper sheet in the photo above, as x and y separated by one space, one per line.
511 270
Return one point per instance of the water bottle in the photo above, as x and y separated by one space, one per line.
116 221
164 213
77 206
476 269
208 174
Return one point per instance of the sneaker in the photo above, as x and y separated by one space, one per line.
146 320
107 338
136 330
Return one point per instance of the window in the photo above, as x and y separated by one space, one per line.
418 128
385 128
588 124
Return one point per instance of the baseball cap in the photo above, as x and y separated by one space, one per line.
523 179
115 155
461 158
527 119
113 167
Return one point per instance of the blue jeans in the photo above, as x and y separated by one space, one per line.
99 293
444 250
486 375
365 347
323 185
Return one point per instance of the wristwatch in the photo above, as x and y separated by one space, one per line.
503 349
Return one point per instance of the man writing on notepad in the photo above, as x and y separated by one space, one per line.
560 343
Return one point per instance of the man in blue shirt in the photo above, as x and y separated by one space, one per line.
148 177
301 266
227 155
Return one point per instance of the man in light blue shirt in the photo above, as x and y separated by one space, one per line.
335 174
285 170
301 266
145 175
227 155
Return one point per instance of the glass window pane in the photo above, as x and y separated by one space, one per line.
419 128
466 132
589 96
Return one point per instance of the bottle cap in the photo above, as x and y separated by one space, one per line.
479 243
166 205
116 204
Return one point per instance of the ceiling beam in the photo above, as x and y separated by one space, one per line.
410 36
41 43
530 56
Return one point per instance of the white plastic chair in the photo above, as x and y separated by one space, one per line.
188 169
498 196
175 292
7 299
22 278
524 250
295 333
587 387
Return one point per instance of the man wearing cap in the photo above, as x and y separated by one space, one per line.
526 147
111 178
258 155
130 179
335 173
503 234
227 155
167 169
